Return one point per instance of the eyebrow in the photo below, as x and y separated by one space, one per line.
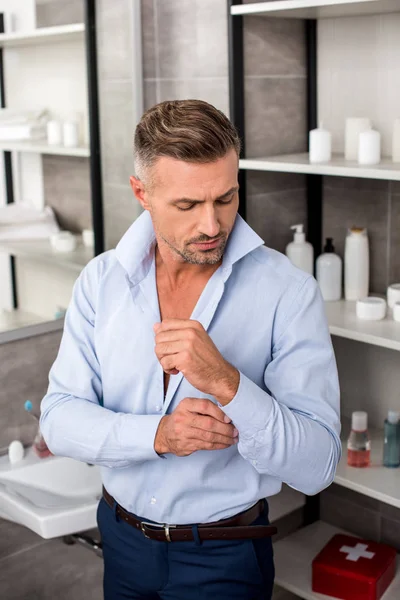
194 201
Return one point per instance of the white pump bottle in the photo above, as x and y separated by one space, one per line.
300 252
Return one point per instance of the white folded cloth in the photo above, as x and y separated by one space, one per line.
19 221
23 125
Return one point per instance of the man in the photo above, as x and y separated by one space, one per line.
196 369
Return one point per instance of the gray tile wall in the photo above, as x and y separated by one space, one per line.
116 115
50 13
361 515
24 368
66 181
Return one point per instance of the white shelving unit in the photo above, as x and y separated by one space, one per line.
42 147
376 481
343 322
338 166
17 318
317 9
43 35
41 250
294 553
293 560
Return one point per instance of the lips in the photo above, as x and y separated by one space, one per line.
208 245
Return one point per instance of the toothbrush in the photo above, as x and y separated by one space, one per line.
28 407
39 445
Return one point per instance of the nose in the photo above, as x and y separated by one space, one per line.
209 224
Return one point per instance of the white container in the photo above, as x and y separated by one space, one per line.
329 273
354 126
64 241
393 294
70 134
356 264
15 451
300 252
396 311
369 147
320 143
54 136
396 141
371 309
88 238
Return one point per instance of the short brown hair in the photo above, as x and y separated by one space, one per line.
188 130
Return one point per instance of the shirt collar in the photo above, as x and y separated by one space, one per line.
135 249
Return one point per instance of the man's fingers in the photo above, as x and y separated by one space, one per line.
168 324
204 406
212 438
207 423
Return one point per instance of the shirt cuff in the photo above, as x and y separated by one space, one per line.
137 436
250 408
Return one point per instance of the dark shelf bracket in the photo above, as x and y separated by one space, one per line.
236 91
94 126
8 174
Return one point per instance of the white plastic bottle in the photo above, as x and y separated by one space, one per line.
300 252
329 273
356 264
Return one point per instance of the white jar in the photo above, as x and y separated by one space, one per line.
54 137
356 264
329 273
70 134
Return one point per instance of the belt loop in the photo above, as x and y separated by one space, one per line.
115 505
196 537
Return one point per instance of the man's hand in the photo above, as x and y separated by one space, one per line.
195 424
183 345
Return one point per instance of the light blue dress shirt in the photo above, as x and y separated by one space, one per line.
106 393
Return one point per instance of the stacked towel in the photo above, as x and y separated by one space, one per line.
22 222
22 125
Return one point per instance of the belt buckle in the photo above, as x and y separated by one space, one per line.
166 528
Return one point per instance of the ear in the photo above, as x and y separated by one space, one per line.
139 191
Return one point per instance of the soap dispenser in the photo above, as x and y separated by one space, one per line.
329 273
300 252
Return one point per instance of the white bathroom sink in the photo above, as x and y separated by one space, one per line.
53 496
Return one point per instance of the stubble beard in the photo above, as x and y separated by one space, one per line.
200 257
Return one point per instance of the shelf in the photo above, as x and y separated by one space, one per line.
317 9
287 501
44 35
343 322
375 481
338 166
42 147
298 551
42 251
14 319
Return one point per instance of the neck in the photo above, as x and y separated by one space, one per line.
176 270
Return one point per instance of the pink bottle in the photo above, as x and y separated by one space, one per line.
359 444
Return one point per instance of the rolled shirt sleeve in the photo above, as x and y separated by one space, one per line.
73 421
291 430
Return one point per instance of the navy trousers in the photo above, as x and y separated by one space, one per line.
136 567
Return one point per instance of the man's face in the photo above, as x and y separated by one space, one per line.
193 206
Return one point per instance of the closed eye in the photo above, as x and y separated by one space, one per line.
221 202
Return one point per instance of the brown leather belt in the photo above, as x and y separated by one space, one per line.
234 528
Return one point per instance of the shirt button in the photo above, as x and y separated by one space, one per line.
153 500
158 408
254 462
